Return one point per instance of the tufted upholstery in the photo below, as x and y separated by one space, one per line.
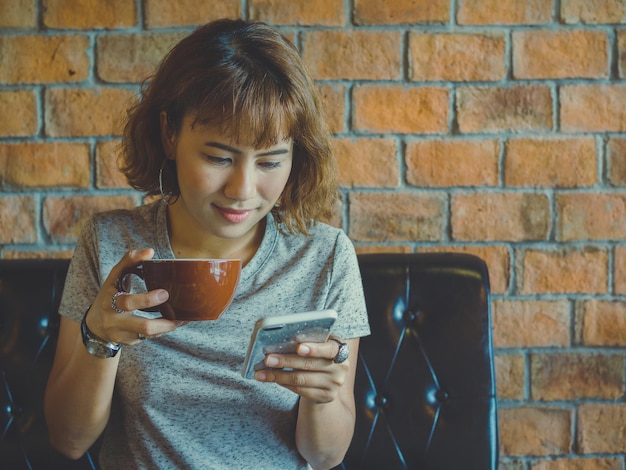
425 388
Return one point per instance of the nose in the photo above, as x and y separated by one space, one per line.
241 183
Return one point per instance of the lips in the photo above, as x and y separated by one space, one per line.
234 216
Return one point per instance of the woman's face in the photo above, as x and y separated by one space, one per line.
226 187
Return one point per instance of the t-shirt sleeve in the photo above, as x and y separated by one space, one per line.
345 294
82 282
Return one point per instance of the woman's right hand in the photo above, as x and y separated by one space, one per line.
126 328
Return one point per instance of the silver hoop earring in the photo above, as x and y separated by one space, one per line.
168 198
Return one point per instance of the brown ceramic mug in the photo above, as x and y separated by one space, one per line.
199 289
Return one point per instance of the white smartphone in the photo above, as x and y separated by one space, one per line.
283 333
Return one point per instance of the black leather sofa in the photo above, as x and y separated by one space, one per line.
425 382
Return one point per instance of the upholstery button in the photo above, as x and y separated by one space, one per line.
380 401
377 401
410 316
441 396
44 326
436 396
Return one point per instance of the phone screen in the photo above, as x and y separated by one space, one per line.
283 333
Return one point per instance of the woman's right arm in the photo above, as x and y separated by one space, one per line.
79 391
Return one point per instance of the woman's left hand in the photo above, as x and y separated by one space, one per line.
311 372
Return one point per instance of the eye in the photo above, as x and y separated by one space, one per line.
219 161
269 165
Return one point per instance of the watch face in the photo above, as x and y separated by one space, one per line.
97 346
97 349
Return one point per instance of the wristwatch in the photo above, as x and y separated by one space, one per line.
95 345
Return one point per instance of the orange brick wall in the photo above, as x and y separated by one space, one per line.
494 127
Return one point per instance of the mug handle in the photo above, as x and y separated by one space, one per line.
123 283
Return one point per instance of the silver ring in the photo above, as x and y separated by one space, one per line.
114 300
343 353
141 337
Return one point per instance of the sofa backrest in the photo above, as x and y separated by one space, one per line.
425 390
425 386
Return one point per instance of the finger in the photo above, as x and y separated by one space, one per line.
293 361
320 387
130 302
327 350
132 328
130 259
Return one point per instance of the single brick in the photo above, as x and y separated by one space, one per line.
497 109
453 163
22 14
601 428
457 57
18 219
572 376
509 216
23 118
356 55
44 59
496 257
603 323
504 12
590 216
510 376
89 14
398 109
108 174
45 165
334 106
616 154
132 57
63 217
309 13
535 431
367 162
85 112
578 463
164 13
593 108
401 12
560 54
551 163
568 270
595 12
396 216
531 323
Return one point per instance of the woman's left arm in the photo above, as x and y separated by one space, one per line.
326 411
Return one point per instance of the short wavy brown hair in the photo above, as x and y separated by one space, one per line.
246 78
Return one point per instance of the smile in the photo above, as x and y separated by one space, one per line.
234 216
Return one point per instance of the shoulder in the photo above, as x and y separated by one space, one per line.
135 215
324 242
333 236
321 239
116 231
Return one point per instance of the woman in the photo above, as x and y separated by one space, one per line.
229 133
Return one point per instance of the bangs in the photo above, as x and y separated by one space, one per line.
254 109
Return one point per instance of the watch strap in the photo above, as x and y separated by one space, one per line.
95 345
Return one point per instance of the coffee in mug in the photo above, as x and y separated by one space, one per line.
199 289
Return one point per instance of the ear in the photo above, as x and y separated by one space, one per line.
168 137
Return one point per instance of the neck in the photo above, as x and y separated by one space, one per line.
188 240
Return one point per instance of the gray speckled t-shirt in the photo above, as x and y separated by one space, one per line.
180 401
